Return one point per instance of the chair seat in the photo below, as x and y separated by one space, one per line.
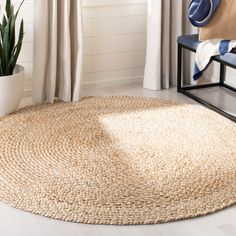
191 42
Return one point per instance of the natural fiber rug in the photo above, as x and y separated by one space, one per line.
118 160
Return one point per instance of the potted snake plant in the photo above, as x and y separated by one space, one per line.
11 74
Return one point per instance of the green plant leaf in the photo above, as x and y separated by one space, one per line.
1 50
8 8
17 12
9 48
6 47
12 32
1 72
17 49
4 21
2 32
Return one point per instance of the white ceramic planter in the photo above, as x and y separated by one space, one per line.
11 91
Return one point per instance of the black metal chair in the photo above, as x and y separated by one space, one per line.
190 42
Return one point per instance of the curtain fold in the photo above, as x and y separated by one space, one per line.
166 21
57 50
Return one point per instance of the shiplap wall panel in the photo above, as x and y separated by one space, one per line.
114 44
114 75
114 10
92 3
114 40
116 61
114 25
213 73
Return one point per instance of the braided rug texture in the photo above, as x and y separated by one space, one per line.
118 160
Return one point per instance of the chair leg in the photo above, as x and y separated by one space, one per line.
222 74
179 69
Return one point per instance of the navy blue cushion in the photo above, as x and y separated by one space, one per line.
191 42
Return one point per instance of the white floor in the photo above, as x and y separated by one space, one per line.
17 223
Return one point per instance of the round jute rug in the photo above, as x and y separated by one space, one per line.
118 160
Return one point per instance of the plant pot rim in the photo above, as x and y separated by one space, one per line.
18 70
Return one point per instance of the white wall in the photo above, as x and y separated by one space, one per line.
231 77
114 41
26 55
214 72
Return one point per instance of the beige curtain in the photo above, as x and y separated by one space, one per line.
57 50
167 19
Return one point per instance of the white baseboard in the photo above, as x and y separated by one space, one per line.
213 78
27 93
101 83
110 83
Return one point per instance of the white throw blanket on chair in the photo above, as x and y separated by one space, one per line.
207 49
